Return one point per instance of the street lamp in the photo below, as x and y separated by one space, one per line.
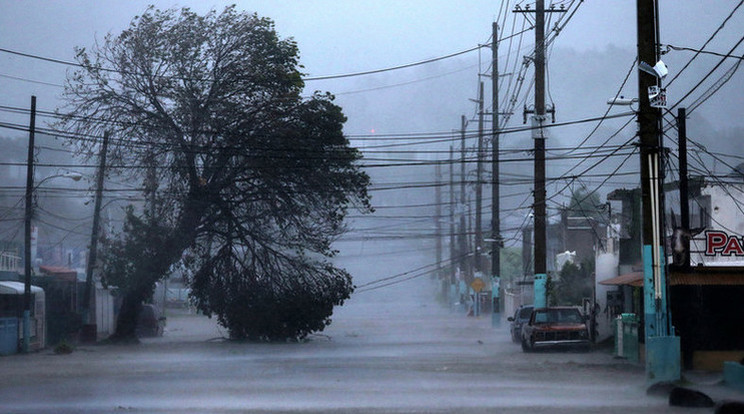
75 176
623 101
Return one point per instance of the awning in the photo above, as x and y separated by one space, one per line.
709 276
16 288
703 276
630 279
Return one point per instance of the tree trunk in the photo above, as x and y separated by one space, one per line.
126 323
167 249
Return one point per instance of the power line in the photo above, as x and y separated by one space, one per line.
30 80
307 78
705 52
404 66
92 138
707 75
609 107
715 33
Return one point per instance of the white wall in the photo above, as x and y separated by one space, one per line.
105 320
606 268
725 215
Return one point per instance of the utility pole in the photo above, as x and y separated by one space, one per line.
438 217
495 195
538 134
541 269
461 207
662 347
479 186
89 303
684 190
452 205
27 259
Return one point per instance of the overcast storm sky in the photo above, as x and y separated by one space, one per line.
341 36
586 65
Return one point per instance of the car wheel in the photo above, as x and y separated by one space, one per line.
525 346
515 337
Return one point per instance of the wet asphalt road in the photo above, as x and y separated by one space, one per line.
382 354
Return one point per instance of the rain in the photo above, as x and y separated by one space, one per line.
410 338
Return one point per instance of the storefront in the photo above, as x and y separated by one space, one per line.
706 305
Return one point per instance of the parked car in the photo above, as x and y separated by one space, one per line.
150 322
521 315
559 326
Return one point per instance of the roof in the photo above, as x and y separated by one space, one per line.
59 272
56 269
630 279
16 288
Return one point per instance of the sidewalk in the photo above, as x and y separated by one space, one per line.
710 383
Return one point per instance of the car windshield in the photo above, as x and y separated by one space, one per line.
525 313
558 316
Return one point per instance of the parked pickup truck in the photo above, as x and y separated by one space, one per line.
558 326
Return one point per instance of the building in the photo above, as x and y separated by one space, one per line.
706 295
706 281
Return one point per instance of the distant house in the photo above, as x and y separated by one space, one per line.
579 235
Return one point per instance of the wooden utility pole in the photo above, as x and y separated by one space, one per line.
495 195
438 216
463 250
648 121
684 189
479 186
662 349
538 134
539 205
452 204
27 259
89 305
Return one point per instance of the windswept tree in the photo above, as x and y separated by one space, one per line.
585 204
248 182
575 284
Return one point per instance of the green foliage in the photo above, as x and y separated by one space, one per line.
575 283
64 348
511 263
128 262
550 292
133 264
585 204
256 307
243 174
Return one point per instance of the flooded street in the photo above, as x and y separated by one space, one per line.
383 353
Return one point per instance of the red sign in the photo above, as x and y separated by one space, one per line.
720 243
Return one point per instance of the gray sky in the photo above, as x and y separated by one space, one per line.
587 64
341 36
